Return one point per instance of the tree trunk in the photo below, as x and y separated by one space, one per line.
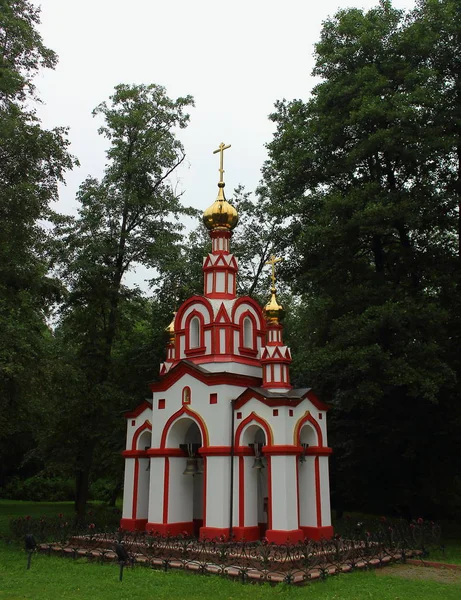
82 481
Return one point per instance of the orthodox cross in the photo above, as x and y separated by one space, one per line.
222 147
272 262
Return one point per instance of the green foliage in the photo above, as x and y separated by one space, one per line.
39 489
363 175
105 336
32 164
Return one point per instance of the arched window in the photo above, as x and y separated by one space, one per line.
194 336
247 332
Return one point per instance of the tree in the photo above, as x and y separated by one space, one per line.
32 163
132 216
354 170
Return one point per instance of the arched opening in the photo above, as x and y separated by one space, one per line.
194 335
255 494
307 478
247 332
186 479
141 498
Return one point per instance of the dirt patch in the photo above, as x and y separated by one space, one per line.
421 573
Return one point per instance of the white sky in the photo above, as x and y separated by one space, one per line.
236 58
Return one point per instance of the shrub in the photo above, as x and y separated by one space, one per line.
39 489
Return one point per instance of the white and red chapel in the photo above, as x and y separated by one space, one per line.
226 447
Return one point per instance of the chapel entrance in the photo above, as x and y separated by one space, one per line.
186 477
307 479
255 480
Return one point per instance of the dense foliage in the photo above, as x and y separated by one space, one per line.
361 193
367 173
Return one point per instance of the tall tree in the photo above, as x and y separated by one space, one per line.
132 216
355 167
32 163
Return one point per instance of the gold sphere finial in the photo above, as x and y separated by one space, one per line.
220 215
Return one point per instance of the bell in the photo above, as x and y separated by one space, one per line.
191 467
258 463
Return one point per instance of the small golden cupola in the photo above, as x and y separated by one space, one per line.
273 311
220 215
169 330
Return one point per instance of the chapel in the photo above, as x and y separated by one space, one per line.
226 447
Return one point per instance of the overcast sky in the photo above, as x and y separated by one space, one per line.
236 58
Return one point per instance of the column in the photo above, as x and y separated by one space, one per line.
283 525
314 494
135 491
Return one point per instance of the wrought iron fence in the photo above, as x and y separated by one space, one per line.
357 547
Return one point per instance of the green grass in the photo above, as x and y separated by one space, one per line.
10 509
52 578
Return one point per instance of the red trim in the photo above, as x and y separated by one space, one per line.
280 536
254 417
138 410
188 349
201 300
215 451
255 305
222 317
318 497
316 401
241 491
134 453
173 529
297 493
211 533
318 533
166 489
165 452
133 524
161 404
249 534
186 368
319 451
137 433
269 492
134 507
277 385
302 421
243 451
186 395
205 481
185 410
253 349
218 358
282 450
248 395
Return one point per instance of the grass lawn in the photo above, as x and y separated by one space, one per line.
52 578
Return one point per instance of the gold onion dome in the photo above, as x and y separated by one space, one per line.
273 311
170 330
220 215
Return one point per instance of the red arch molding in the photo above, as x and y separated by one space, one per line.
185 410
254 417
137 433
299 425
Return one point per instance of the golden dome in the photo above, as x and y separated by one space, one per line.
220 215
170 330
273 311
